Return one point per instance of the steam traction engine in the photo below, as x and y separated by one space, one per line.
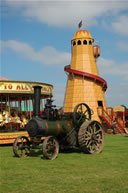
60 130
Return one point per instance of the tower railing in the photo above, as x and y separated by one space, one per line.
108 116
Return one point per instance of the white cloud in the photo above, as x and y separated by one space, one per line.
110 67
68 13
123 46
121 25
46 55
126 78
117 76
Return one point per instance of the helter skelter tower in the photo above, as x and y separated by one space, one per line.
84 85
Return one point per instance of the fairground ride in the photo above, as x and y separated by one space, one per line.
16 107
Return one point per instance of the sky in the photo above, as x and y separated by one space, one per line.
35 42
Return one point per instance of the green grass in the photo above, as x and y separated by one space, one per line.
69 173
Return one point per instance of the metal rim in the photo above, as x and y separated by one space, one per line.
21 146
91 137
81 113
50 148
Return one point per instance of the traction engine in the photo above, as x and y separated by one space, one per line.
55 130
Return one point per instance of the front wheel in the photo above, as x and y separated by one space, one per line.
50 148
21 146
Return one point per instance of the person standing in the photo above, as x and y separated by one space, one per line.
114 126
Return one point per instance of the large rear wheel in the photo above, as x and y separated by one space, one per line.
91 137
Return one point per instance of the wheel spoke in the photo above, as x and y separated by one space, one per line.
86 115
85 111
93 148
22 141
87 135
81 108
99 139
94 127
89 143
90 130
81 116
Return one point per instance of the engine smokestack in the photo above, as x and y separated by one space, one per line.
37 94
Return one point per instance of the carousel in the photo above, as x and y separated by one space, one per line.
16 107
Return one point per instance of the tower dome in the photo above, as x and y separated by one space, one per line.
82 34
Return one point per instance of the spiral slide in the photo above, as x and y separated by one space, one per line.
95 78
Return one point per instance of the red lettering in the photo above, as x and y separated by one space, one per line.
5 86
10 86
18 87
26 87
21 87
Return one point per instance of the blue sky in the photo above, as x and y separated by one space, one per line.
36 38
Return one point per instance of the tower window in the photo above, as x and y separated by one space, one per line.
79 42
85 42
100 104
74 43
90 42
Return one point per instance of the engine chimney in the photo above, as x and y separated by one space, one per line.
37 94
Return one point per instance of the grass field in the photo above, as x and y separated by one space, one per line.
69 173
